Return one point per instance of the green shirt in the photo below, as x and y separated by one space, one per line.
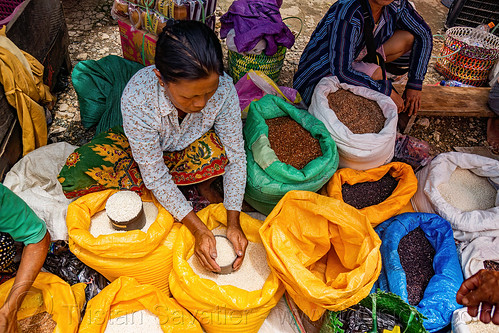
18 220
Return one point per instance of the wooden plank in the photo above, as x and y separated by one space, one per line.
453 101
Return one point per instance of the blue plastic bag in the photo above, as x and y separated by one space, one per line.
439 300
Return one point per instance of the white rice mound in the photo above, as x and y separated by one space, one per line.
251 275
140 321
467 191
101 224
225 252
123 206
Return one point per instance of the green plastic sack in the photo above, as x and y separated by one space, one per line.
99 85
268 178
410 319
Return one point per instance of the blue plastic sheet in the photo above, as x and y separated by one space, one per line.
439 300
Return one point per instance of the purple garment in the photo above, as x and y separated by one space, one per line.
253 20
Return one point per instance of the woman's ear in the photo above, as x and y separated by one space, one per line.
158 74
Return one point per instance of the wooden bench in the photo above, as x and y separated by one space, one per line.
449 102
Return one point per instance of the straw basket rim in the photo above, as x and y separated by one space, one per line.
490 41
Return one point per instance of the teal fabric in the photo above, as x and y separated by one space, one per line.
18 220
99 85
268 178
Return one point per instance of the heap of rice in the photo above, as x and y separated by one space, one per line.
250 276
123 206
101 224
467 191
140 321
225 252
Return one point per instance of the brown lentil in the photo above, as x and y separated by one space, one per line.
416 256
292 144
359 114
39 323
367 194
491 265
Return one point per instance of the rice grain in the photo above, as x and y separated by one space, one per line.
101 224
123 206
251 275
140 321
468 192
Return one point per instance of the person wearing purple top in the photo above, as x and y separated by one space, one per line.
338 46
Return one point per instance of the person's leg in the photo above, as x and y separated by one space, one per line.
208 192
399 44
493 134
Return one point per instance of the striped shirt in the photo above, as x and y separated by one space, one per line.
338 40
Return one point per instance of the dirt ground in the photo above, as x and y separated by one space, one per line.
94 34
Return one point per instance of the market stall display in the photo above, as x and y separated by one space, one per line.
362 190
50 296
357 151
478 254
223 308
391 312
439 300
269 179
145 256
125 305
438 180
330 262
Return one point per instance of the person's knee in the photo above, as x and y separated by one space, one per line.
377 75
409 40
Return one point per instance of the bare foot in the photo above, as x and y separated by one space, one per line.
207 191
493 134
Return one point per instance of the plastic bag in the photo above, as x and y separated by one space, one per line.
68 267
392 206
325 251
255 84
268 178
145 256
439 300
478 251
221 308
357 151
412 151
466 225
50 293
461 321
407 316
125 296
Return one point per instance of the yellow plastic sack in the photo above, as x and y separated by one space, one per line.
145 256
125 296
325 251
395 204
50 293
221 308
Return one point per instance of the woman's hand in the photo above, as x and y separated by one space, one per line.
236 235
8 320
205 244
483 287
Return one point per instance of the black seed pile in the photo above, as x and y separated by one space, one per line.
416 256
360 319
491 265
367 194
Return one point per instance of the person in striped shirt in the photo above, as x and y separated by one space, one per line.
337 47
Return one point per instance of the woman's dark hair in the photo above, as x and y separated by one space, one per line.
188 50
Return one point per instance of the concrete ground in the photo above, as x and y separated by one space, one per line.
94 34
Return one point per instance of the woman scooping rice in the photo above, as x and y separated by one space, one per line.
183 123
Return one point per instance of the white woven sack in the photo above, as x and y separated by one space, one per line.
357 151
466 225
34 179
479 250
